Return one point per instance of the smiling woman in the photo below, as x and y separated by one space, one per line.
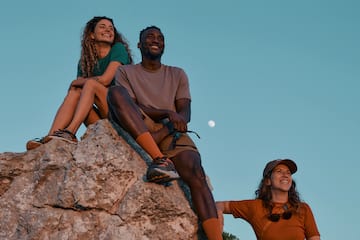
103 50
277 212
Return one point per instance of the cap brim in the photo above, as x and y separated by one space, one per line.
290 164
272 164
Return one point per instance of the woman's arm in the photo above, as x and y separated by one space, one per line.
105 79
314 238
222 207
109 73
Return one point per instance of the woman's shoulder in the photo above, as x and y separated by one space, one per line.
248 205
249 202
118 46
119 53
305 207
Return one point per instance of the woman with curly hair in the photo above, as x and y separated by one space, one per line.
103 50
277 211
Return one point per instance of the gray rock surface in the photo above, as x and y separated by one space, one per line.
94 189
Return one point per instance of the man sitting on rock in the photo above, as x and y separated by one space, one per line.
151 101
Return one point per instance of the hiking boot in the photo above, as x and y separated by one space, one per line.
62 134
34 143
161 170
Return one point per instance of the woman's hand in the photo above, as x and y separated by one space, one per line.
222 207
79 82
221 220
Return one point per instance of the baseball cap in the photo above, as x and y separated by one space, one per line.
272 164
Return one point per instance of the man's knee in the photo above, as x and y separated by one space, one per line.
117 94
112 92
199 172
192 168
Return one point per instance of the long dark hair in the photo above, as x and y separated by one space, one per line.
264 193
89 56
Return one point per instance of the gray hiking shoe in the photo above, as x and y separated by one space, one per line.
62 134
161 170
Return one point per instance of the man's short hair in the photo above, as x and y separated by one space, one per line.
147 28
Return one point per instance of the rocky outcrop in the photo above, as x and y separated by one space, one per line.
94 189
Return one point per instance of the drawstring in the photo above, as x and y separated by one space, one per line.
175 134
194 133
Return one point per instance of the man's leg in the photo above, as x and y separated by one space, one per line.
127 114
188 165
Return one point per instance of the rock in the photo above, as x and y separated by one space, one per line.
94 189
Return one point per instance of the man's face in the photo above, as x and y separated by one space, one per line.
152 44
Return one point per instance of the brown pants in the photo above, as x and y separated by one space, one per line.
169 147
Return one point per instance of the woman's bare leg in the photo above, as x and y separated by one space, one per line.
92 117
66 110
92 93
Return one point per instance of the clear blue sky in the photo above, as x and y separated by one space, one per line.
280 78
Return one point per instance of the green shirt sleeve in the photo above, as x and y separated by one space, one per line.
117 53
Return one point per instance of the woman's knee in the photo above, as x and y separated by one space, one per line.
74 89
90 84
73 93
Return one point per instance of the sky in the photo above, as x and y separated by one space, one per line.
280 79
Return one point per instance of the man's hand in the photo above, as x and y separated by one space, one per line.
178 121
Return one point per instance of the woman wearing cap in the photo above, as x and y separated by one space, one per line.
276 212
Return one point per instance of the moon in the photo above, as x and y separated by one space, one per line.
211 123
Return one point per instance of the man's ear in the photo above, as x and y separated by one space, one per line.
92 36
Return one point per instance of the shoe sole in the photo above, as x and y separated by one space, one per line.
161 176
162 180
33 145
49 138
170 174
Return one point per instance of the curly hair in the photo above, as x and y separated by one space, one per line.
89 56
264 193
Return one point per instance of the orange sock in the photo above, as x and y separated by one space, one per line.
146 141
212 229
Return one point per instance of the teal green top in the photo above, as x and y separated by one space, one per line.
117 53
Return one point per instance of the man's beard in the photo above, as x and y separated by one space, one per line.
152 56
